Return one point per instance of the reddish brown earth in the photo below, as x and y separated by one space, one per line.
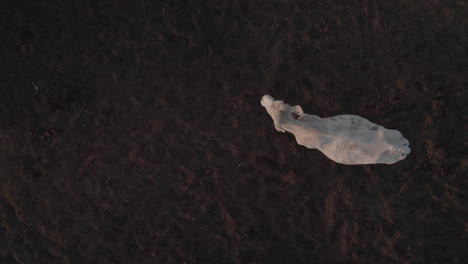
132 131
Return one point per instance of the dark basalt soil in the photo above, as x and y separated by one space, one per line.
131 131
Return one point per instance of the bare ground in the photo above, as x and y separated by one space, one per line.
131 131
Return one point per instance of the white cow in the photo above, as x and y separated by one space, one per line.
346 139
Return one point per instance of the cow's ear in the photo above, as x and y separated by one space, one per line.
298 110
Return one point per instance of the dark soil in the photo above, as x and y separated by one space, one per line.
131 131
